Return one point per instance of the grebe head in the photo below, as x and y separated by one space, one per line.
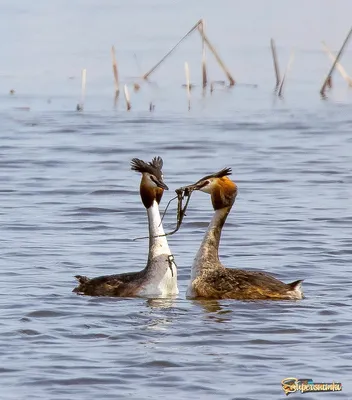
221 188
152 184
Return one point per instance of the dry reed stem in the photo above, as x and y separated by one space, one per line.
146 75
127 98
339 54
204 69
276 63
217 57
290 61
80 105
114 70
188 85
339 67
116 98
204 59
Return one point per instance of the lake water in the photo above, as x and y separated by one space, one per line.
70 203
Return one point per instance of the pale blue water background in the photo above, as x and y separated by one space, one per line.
70 204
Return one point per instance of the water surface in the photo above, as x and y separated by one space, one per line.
70 203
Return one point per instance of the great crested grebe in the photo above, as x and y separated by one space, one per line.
159 277
209 278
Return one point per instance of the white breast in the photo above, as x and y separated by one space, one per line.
161 281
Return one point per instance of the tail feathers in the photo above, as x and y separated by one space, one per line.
296 287
82 281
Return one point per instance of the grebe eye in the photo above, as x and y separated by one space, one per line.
203 184
153 178
158 182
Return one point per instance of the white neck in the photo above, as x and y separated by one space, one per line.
157 244
161 270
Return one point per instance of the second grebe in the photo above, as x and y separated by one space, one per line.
209 278
159 277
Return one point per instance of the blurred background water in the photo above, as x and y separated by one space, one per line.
70 203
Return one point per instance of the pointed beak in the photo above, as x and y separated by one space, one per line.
190 188
161 184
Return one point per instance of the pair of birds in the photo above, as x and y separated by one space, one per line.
209 278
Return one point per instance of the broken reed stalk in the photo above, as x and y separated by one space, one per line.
290 61
276 64
114 70
146 75
127 98
80 105
188 85
182 193
339 54
217 57
204 60
339 67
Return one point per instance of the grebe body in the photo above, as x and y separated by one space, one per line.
159 277
209 278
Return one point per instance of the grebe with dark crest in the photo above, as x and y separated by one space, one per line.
159 277
209 278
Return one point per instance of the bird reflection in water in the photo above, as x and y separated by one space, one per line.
160 321
160 302
214 310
